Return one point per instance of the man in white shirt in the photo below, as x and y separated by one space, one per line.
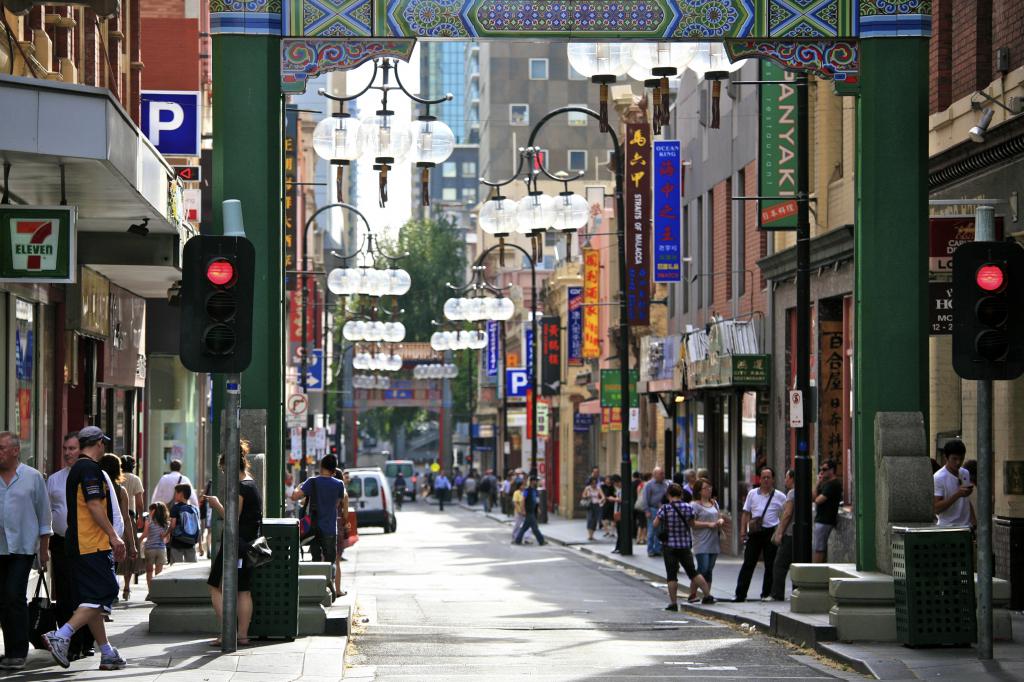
164 490
761 512
952 488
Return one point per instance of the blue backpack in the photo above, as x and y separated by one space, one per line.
186 531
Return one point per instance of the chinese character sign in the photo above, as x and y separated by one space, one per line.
531 359
667 180
291 196
830 395
491 363
550 356
638 220
777 174
591 294
574 353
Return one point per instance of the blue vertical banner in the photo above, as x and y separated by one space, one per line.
491 363
574 352
667 180
530 358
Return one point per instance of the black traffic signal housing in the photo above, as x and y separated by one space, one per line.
988 310
217 276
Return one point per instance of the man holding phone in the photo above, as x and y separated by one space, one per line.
952 488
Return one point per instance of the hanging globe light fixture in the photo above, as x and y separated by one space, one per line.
662 60
602 63
711 62
433 142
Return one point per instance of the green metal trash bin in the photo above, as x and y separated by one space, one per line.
275 586
933 577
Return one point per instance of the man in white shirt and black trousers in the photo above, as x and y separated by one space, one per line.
761 512
953 487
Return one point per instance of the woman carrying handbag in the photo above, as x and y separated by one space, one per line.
593 500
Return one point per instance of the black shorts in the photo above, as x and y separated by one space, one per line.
674 557
217 572
93 582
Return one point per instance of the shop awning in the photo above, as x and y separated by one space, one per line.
112 173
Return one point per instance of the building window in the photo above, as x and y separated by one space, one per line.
469 195
449 194
575 75
539 69
577 159
576 118
469 169
449 170
519 114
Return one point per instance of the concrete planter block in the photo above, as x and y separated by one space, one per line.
193 619
810 600
863 589
864 623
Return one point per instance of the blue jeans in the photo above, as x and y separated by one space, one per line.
653 545
706 565
529 523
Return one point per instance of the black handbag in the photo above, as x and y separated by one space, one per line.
42 616
308 526
257 553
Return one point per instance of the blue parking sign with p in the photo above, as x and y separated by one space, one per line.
517 382
171 121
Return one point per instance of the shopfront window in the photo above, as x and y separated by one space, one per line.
748 445
25 394
174 413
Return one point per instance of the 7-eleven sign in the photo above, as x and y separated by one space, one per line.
37 244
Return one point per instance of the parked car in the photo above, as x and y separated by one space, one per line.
391 469
370 495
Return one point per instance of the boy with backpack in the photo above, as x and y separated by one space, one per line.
184 526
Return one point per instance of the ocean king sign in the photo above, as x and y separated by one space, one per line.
37 244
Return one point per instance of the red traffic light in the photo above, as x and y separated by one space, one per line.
220 272
990 277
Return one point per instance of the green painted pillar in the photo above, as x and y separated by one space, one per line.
891 338
247 167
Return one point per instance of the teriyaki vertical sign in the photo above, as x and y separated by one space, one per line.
574 352
667 193
491 362
638 220
777 172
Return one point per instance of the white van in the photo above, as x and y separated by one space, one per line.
370 495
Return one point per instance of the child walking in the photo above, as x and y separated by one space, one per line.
155 538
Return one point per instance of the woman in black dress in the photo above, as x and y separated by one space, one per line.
608 510
250 517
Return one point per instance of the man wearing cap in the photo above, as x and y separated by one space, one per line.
531 498
92 545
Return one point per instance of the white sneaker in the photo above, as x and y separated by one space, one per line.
113 662
58 647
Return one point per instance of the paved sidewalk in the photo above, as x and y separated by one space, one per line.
184 658
886 661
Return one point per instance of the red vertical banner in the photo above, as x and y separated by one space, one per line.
591 296
529 413
638 221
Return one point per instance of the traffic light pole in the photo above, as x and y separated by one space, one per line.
984 231
229 586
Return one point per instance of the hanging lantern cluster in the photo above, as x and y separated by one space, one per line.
359 330
436 370
380 136
371 381
378 362
458 340
479 308
368 281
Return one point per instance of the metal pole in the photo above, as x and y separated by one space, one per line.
625 469
499 459
534 374
802 525
229 586
984 231
303 368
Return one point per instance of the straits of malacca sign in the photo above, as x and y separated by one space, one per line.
37 244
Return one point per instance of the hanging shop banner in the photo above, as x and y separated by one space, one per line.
638 221
531 359
491 362
551 355
574 353
581 422
37 244
777 173
291 197
591 295
611 388
667 180
946 234
830 393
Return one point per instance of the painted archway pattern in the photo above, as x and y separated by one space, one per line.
819 36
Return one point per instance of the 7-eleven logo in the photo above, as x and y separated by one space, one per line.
34 244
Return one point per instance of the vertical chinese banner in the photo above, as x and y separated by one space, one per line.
492 348
667 166
291 198
574 353
830 417
591 294
638 220
777 160
551 355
